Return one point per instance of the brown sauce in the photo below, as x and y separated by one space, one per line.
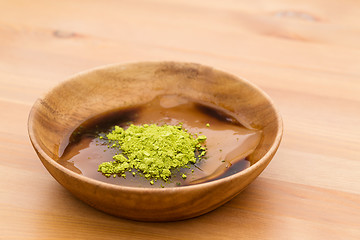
228 142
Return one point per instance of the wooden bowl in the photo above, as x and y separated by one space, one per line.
55 116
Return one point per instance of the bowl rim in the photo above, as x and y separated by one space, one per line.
143 190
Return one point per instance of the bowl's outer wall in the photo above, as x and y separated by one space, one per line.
54 117
147 206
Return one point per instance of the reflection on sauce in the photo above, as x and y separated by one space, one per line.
228 143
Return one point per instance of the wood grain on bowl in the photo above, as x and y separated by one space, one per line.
88 94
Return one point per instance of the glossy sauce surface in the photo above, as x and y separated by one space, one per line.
228 143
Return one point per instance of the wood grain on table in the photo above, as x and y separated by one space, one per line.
304 54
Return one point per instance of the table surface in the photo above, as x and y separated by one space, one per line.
304 54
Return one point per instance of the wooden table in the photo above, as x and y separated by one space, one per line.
304 54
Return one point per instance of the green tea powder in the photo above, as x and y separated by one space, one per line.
154 151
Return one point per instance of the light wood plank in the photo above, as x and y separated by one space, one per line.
304 54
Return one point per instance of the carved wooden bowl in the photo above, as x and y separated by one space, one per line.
54 116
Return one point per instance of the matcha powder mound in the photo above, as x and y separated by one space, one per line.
152 150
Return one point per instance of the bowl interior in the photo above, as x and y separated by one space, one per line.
54 117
